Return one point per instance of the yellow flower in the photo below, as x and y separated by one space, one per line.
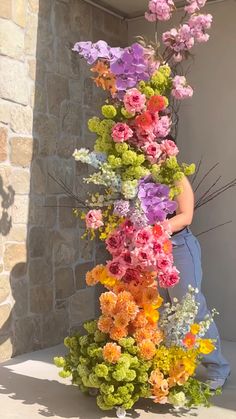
151 313
206 346
189 365
195 328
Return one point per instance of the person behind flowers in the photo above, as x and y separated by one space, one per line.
187 259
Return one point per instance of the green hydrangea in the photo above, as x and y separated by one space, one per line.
148 91
93 124
105 126
64 374
121 147
129 157
109 111
99 336
189 169
91 326
59 361
101 370
177 398
119 374
94 380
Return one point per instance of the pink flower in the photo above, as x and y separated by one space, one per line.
159 10
153 151
93 219
126 257
181 90
144 257
169 278
162 127
198 25
194 5
116 268
134 101
115 242
142 237
121 132
169 148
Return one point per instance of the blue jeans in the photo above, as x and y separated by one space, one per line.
187 259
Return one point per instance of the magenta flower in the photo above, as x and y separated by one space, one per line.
121 132
169 278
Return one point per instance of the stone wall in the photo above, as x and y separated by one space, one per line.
46 97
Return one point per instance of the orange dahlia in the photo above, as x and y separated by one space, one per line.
117 333
121 320
105 323
111 352
147 349
108 302
140 320
142 334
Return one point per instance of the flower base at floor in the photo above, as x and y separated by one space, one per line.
139 347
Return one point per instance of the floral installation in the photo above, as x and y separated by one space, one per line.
139 347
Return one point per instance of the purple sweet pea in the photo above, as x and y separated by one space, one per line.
155 201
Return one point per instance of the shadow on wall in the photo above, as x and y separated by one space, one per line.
48 288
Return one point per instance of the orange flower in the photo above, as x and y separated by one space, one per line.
160 395
189 340
157 231
105 323
157 337
131 310
108 302
147 349
156 377
121 320
178 374
144 120
151 314
111 352
140 320
195 328
142 334
90 280
105 79
117 333
156 103
167 247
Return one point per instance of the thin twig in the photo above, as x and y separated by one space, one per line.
205 176
208 190
213 228
197 170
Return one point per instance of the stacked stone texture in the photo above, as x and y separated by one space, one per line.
46 97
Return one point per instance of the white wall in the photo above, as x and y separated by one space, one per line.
208 128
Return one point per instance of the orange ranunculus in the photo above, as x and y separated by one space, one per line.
144 120
156 103
156 377
160 395
147 349
111 352
189 340
178 374
157 336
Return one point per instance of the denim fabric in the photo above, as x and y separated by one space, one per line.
187 259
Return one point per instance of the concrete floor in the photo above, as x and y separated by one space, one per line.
31 389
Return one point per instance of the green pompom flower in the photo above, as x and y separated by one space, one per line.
93 124
91 326
148 91
109 111
101 370
126 114
59 361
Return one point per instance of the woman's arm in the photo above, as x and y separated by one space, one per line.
185 209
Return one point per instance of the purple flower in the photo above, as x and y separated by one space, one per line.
155 201
121 208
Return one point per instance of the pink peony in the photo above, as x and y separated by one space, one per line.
169 148
153 151
134 101
121 132
181 90
116 268
93 219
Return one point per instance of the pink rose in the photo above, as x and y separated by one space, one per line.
169 148
121 132
115 242
134 101
116 268
142 237
153 151
93 219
